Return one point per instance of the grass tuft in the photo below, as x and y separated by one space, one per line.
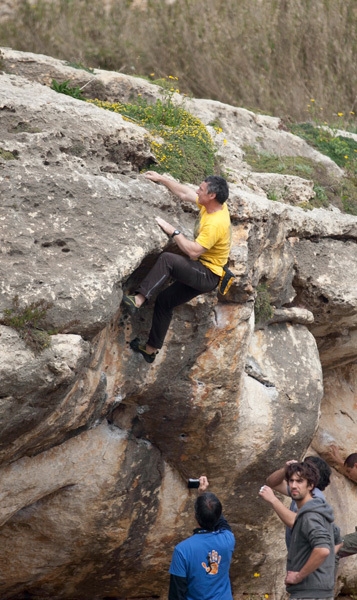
68 90
8 155
29 322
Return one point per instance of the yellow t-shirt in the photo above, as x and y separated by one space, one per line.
213 232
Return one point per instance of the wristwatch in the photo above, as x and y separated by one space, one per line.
176 232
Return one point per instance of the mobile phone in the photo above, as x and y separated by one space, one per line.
193 483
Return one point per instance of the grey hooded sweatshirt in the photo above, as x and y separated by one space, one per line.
313 528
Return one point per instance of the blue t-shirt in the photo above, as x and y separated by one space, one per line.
204 560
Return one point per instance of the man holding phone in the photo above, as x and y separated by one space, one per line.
200 564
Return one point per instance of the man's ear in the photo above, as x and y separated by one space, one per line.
310 486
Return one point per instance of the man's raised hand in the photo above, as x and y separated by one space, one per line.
203 483
153 176
165 226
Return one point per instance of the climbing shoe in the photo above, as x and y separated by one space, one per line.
129 302
135 345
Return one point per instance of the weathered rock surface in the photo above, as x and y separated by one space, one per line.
95 444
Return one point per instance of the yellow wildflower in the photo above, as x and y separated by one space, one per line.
256 575
312 100
340 114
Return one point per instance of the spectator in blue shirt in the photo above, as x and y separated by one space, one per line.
200 564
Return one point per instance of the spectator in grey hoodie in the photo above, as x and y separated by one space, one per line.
277 481
311 556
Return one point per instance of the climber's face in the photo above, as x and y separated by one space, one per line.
204 197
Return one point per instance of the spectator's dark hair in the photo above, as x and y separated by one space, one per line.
351 460
208 510
217 185
306 470
323 469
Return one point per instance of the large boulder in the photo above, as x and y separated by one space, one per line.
95 444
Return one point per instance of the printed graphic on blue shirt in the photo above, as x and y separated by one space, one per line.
213 560
204 560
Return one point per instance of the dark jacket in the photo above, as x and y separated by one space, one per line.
313 528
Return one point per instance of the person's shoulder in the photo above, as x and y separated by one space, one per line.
192 540
224 214
226 534
316 508
229 534
317 493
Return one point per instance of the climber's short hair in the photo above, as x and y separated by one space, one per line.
217 185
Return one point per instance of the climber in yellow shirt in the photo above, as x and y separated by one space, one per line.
197 272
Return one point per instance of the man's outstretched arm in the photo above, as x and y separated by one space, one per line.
183 191
191 248
284 513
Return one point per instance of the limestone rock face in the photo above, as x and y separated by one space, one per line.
95 444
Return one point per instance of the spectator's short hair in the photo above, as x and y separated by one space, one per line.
324 470
208 510
351 460
306 470
217 185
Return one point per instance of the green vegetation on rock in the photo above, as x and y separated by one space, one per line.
29 322
180 142
340 192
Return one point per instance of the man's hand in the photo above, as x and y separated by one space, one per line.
284 513
203 483
293 577
153 176
333 455
267 494
165 226
192 249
